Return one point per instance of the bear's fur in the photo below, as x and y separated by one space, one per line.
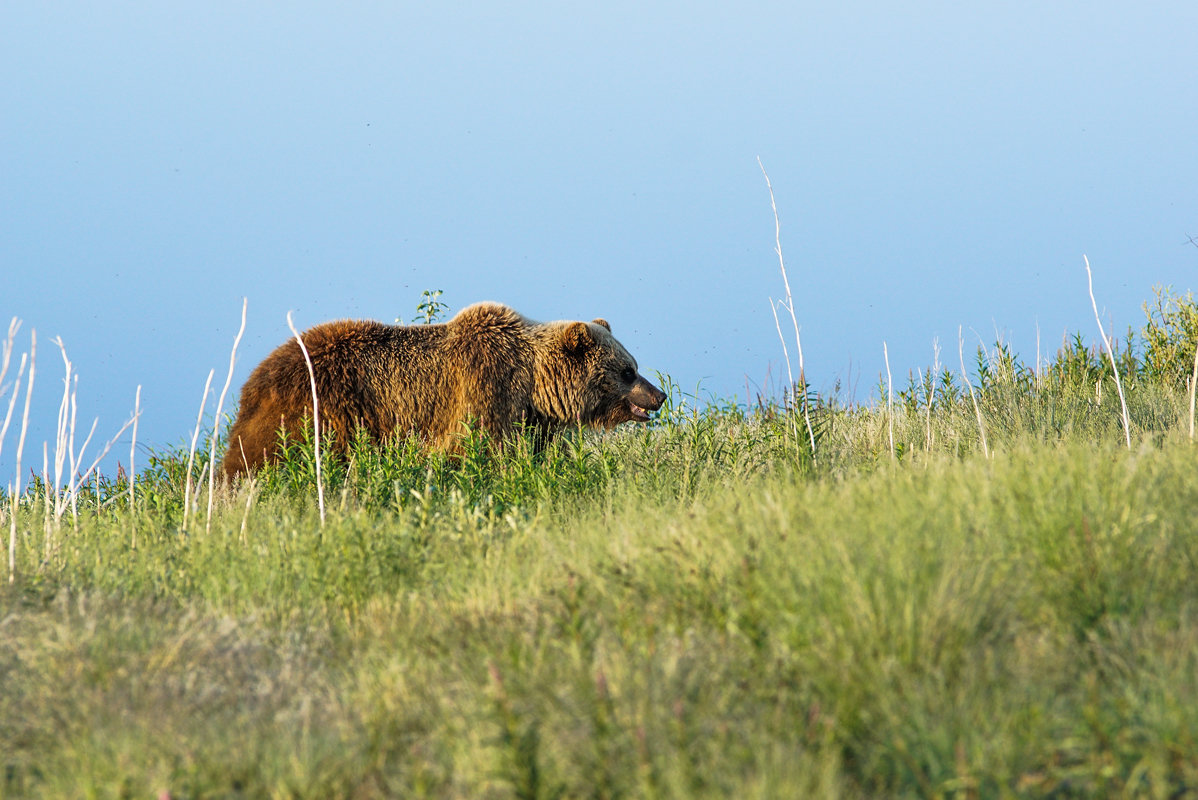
488 364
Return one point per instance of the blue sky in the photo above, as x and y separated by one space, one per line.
936 165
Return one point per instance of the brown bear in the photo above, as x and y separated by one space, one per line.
488 364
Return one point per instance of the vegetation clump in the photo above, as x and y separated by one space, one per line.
705 607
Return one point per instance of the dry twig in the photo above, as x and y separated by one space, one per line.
1110 354
315 417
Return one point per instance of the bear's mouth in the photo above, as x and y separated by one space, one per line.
638 413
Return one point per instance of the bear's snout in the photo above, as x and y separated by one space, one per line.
643 398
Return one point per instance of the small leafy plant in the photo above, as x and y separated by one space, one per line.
430 308
1170 336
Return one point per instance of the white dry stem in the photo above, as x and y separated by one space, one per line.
5 359
932 384
74 482
6 356
965 376
6 353
315 417
789 305
1111 355
1039 374
219 406
103 452
61 440
206 472
782 338
191 456
12 529
12 533
132 468
46 516
785 352
71 473
889 399
64 450
1193 384
74 486
919 372
12 401
249 499
789 302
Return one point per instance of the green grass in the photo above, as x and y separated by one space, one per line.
697 609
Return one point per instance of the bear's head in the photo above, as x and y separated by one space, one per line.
587 376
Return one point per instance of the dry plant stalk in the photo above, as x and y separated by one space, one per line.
932 384
75 483
315 417
65 451
782 338
249 499
191 456
12 401
206 472
12 529
132 469
72 460
1039 374
219 406
6 351
61 439
889 399
1193 384
5 359
919 374
46 515
789 305
1111 355
965 376
103 452
786 355
133 444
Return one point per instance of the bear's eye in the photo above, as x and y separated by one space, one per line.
628 375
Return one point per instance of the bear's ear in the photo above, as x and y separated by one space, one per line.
577 338
601 321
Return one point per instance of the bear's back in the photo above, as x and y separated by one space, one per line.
483 366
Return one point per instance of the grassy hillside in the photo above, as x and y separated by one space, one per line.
703 608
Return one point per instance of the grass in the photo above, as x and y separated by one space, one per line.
697 609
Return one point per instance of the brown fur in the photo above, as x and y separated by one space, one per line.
488 364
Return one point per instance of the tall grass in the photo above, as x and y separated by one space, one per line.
1021 624
697 608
